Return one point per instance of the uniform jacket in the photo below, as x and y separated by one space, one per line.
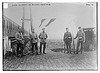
43 36
80 35
67 37
19 36
34 37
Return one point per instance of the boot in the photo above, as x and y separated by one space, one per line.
37 52
44 53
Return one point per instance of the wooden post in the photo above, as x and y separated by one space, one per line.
23 20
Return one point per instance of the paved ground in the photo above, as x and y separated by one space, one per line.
53 61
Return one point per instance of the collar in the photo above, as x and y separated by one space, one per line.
43 32
80 31
33 32
67 31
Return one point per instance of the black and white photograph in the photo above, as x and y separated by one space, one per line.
50 36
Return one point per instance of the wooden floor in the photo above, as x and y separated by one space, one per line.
53 61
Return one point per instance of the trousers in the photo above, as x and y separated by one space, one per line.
19 49
44 46
79 43
68 45
34 47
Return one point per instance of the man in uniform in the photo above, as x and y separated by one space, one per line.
67 40
81 38
20 43
43 36
34 41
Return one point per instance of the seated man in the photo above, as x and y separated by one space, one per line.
20 43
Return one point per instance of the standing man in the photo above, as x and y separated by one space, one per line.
67 40
81 38
43 36
20 43
34 41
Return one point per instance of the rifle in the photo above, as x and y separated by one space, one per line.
73 46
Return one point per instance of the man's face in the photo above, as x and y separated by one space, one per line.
79 29
66 30
43 30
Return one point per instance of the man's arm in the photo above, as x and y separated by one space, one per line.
16 36
71 37
46 36
39 36
22 36
64 37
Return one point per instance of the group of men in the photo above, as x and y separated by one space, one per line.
68 40
43 36
34 42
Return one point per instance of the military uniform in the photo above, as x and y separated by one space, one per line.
43 36
67 40
20 43
81 37
34 41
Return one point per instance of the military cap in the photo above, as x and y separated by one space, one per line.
66 28
43 28
79 27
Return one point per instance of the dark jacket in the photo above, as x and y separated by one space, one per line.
67 37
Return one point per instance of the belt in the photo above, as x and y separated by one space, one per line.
80 37
67 37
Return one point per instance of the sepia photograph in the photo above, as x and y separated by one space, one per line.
50 36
